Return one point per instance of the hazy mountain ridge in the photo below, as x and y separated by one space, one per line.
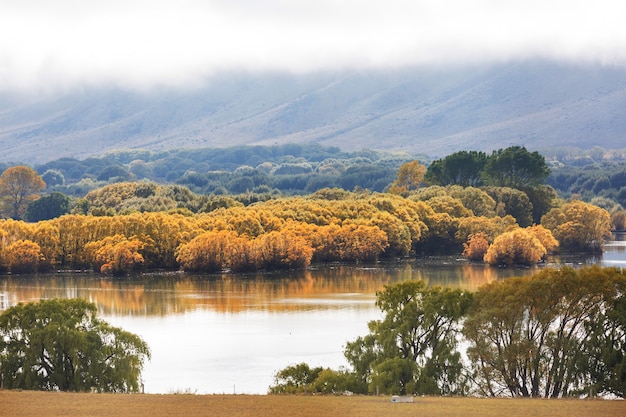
428 111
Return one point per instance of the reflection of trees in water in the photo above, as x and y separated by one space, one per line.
325 287
163 294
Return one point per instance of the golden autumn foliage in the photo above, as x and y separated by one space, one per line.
116 255
349 242
517 247
578 225
545 237
290 232
24 256
409 177
207 251
18 186
276 250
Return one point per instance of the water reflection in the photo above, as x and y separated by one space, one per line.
320 287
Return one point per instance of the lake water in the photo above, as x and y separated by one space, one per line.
231 333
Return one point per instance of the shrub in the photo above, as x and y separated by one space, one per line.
476 246
515 247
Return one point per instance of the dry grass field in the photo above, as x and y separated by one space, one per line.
31 403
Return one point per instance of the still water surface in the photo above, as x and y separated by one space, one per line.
231 333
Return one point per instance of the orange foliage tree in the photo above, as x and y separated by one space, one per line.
286 250
476 246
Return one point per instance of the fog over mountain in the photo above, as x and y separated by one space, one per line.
433 110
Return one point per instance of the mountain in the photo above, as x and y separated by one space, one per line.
431 111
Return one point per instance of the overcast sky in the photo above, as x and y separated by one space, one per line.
54 44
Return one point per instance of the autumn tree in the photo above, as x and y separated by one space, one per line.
282 250
24 256
409 177
116 255
579 226
206 252
516 247
18 186
61 345
476 246
544 236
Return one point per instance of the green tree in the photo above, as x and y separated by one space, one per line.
413 350
62 345
515 167
549 335
18 186
53 177
513 202
607 346
295 379
460 168
48 207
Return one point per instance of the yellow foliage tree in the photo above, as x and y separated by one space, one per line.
18 186
517 247
206 252
492 226
409 177
545 237
24 256
578 225
116 255
282 250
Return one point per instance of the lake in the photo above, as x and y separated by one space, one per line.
231 333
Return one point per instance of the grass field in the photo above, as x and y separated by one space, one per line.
32 403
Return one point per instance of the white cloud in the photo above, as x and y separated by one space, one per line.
61 43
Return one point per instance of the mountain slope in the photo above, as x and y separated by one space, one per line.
430 111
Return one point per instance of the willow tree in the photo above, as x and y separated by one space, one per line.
579 226
62 345
559 333
413 350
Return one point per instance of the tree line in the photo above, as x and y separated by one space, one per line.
511 218
292 232
301 169
559 333
286 169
